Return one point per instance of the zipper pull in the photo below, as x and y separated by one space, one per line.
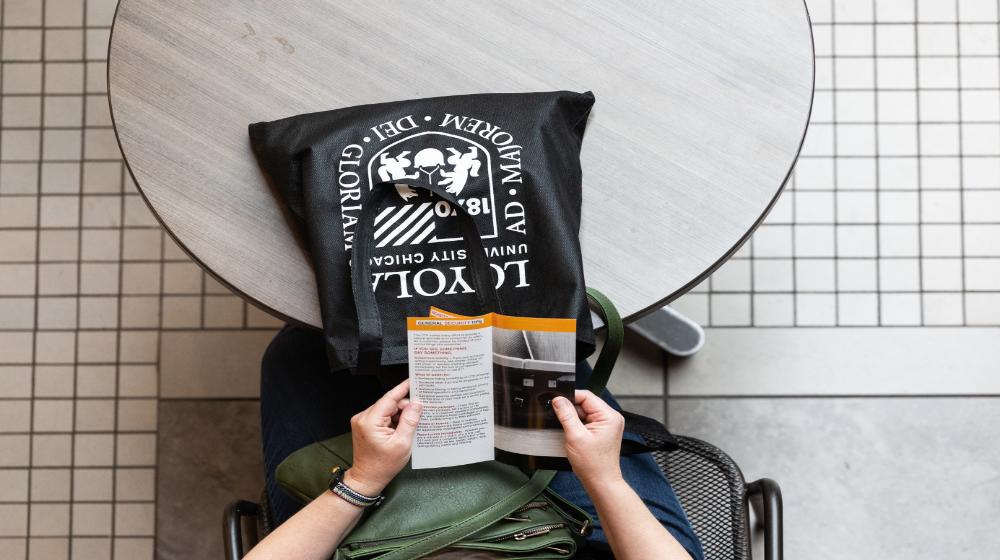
519 518
532 533
558 550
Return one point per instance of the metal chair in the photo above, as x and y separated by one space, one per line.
716 498
708 484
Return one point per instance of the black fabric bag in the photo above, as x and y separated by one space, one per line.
511 160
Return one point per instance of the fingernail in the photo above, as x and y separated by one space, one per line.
559 402
417 407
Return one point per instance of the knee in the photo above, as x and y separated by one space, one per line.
294 352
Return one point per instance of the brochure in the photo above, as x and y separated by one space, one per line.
486 384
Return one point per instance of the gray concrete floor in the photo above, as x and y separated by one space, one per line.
210 455
915 478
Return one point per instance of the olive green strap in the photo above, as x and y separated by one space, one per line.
493 514
612 345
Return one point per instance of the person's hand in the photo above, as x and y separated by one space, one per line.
593 445
383 438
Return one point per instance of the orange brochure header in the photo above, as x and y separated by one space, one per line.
449 324
441 320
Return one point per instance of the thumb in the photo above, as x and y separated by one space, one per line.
408 419
567 415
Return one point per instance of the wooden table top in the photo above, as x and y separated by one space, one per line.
701 109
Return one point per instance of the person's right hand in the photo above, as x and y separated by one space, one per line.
593 445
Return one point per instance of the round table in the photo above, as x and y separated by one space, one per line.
701 110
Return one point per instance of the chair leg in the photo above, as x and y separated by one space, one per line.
764 496
232 528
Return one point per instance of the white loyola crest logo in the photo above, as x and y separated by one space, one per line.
431 163
463 168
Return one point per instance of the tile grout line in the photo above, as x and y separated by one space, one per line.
961 166
90 432
900 22
159 387
81 467
43 26
752 320
931 56
88 398
885 156
904 123
79 290
794 286
920 170
27 488
709 292
877 158
836 173
67 127
793 218
202 300
112 540
62 160
118 358
962 183
34 336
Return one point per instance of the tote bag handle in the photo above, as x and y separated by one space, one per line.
366 306
370 322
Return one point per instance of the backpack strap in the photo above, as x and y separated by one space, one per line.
653 432
613 343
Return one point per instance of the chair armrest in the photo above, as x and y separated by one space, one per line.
764 496
232 527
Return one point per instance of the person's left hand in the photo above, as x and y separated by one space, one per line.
383 439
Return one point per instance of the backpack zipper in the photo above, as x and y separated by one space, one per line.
532 532
532 505
528 506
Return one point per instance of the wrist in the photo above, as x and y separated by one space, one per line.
604 482
363 484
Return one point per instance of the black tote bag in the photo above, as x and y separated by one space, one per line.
512 161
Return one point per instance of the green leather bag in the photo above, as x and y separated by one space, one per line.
488 507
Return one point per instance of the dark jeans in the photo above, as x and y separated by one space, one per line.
301 402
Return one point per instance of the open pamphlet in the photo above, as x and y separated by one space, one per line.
486 384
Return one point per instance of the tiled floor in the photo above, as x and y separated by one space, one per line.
893 214
88 282
851 344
